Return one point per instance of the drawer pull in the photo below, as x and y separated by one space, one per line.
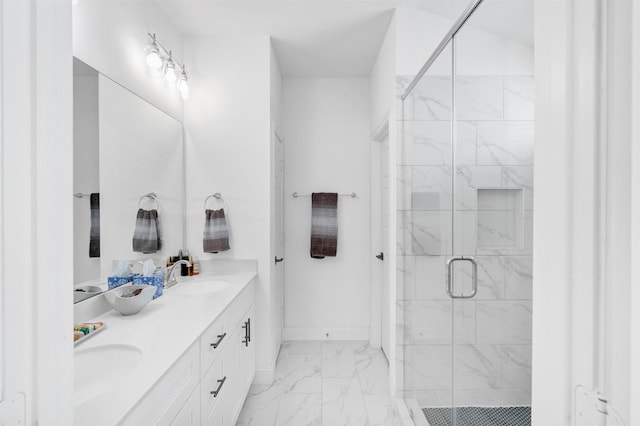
247 332
220 337
220 383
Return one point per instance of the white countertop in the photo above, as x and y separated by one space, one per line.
163 331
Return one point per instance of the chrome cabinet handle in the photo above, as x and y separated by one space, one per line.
220 384
474 277
220 337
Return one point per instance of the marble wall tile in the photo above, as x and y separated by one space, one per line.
429 368
516 367
470 178
492 398
517 177
499 229
525 240
431 188
503 322
338 359
479 98
466 137
431 323
432 398
432 98
477 367
505 143
431 278
299 409
404 235
519 93
491 278
404 186
406 277
425 143
342 403
431 233
519 277
465 230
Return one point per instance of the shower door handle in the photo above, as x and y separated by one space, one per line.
474 277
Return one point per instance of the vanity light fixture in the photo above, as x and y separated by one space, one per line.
159 59
183 86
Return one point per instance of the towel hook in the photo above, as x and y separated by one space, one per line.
151 195
217 196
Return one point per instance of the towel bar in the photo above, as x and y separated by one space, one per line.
352 195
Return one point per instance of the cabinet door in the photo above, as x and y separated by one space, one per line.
247 352
189 415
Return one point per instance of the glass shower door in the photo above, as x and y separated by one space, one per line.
490 271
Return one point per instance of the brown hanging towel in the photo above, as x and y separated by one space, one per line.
324 224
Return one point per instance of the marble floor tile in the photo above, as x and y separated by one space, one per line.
300 409
343 403
303 395
338 359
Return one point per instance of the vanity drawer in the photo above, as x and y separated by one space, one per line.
189 415
214 390
167 397
213 341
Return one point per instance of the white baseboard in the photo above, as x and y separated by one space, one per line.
264 376
325 334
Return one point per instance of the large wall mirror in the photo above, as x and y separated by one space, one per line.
124 149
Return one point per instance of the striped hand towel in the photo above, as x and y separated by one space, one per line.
216 232
324 224
146 237
94 231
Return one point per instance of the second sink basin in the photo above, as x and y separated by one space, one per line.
201 286
98 369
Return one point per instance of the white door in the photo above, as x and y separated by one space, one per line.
385 227
277 240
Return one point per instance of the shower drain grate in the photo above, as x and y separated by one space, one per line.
479 416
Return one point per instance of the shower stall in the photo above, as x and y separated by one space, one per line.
464 213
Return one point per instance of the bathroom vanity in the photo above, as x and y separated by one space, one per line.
188 358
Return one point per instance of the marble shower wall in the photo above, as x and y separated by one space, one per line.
492 214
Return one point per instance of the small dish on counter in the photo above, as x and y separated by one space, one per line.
130 299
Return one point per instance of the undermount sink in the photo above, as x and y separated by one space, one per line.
201 286
100 368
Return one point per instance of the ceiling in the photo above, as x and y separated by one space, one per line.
330 38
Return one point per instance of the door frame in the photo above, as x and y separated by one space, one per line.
375 323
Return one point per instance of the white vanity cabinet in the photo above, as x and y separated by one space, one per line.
209 383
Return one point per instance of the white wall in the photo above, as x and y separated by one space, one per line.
86 176
111 36
327 133
228 151
36 212
420 32
383 79
140 152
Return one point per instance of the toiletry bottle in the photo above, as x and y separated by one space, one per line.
196 266
184 255
190 268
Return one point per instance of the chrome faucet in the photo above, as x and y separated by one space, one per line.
169 278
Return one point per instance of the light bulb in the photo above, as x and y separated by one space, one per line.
183 86
170 71
154 61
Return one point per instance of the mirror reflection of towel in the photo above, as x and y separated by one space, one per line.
216 232
324 224
94 231
146 237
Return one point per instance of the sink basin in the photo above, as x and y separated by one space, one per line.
202 286
101 368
